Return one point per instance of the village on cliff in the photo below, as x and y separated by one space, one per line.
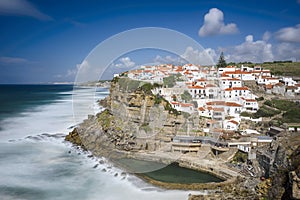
221 97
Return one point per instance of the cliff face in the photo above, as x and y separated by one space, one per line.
281 164
285 169
134 119
148 117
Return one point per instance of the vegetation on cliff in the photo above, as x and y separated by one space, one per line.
278 110
278 68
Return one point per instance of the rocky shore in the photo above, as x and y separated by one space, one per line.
139 125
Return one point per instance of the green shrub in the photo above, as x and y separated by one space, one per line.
169 81
268 103
266 112
186 96
260 99
283 104
246 114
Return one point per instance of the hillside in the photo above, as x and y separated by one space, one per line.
279 68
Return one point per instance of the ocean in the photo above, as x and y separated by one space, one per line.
35 161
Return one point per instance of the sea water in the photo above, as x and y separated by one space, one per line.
36 162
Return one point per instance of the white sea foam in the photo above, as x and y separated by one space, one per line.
42 166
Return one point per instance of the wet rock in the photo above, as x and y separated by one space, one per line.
95 166
123 174
101 162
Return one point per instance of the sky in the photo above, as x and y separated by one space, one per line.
43 41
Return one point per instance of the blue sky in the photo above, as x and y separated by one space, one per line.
45 40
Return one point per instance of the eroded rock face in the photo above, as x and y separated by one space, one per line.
295 182
133 120
285 170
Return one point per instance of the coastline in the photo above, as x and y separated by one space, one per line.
191 162
138 125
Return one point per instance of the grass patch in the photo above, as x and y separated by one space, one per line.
240 157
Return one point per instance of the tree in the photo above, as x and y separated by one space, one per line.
221 62
169 81
186 96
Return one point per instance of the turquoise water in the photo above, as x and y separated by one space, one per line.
175 174
172 173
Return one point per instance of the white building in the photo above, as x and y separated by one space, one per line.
230 82
288 81
249 105
232 124
233 109
266 80
184 107
235 92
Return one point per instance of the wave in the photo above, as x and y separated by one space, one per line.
36 163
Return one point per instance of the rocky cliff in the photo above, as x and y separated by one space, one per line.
134 119
282 167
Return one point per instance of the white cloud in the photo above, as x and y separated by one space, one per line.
83 67
288 51
266 36
214 24
21 7
13 60
289 34
251 51
125 62
71 72
168 60
249 38
200 57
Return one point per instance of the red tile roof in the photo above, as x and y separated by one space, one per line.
186 104
269 86
215 103
233 104
234 122
196 87
236 88
201 109
218 109
211 85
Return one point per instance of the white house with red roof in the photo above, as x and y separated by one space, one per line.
221 70
235 92
288 81
238 73
249 104
184 107
233 108
229 83
231 124
266 80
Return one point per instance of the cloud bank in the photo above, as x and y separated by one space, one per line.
289 34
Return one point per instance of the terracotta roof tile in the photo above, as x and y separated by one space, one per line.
233 104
